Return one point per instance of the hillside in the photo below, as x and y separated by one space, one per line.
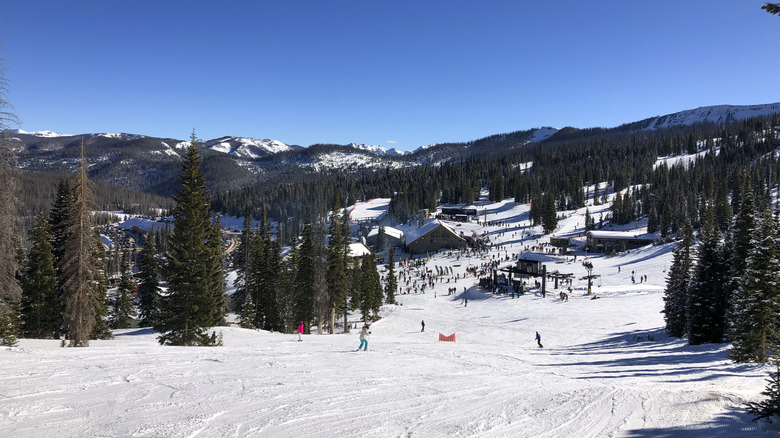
607 368
150 164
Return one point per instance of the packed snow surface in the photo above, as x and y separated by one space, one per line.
607 368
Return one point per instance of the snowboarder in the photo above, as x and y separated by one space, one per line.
539 340
423 325
364 338
300 331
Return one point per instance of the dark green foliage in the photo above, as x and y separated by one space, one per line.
40 305
336 261
80 267
707 299
193 269
770 406
148 284
392 282
123 311
772 8
369 287
248 313
677 284
305 277
755 305
549 214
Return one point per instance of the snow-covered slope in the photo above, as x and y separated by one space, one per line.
543 133
715 114
246 147
607 367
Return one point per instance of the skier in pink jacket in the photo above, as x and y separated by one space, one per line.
300 331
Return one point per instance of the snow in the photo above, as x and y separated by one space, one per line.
607 368
379 150
717 114
358 250
370 210
46 134
144 224
543 133
246 147
389 231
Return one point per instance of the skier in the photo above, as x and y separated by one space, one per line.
300 331
539 340
465 302
364 338
423 326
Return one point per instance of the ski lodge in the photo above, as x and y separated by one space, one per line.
608 241
433 236
458 214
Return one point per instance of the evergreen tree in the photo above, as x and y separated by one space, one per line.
392 283
381 239
60 217
149 284
677 284
79 267
242 261
248 313
191 306
10 290
549 214
100 330
772 8
706 301
40 306
370 288
755 309
768 408
336 275
123 312
739 244
305 277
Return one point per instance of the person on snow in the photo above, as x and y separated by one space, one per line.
539 340
423 325
364 338
300 331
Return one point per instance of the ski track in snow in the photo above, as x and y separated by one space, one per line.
594 378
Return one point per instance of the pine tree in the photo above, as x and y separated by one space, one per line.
772 8
677 284
40 305
706 301
768 408
242 261
336 275
549 214
392 283
123 312
370 289
305 277
149 284
79 267
248 313
192 303
381 239
100 330
60 217
755 309
10 290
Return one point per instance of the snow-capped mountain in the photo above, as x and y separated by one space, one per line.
44 134
151 163
714 114
379 150
246 147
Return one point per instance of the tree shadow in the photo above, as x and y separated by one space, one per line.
732 423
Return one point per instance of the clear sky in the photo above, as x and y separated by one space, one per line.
392 73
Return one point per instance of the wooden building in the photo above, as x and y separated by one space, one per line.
609 241
433 236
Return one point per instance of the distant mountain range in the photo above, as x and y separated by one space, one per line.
151 164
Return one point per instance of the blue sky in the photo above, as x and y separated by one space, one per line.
392 73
